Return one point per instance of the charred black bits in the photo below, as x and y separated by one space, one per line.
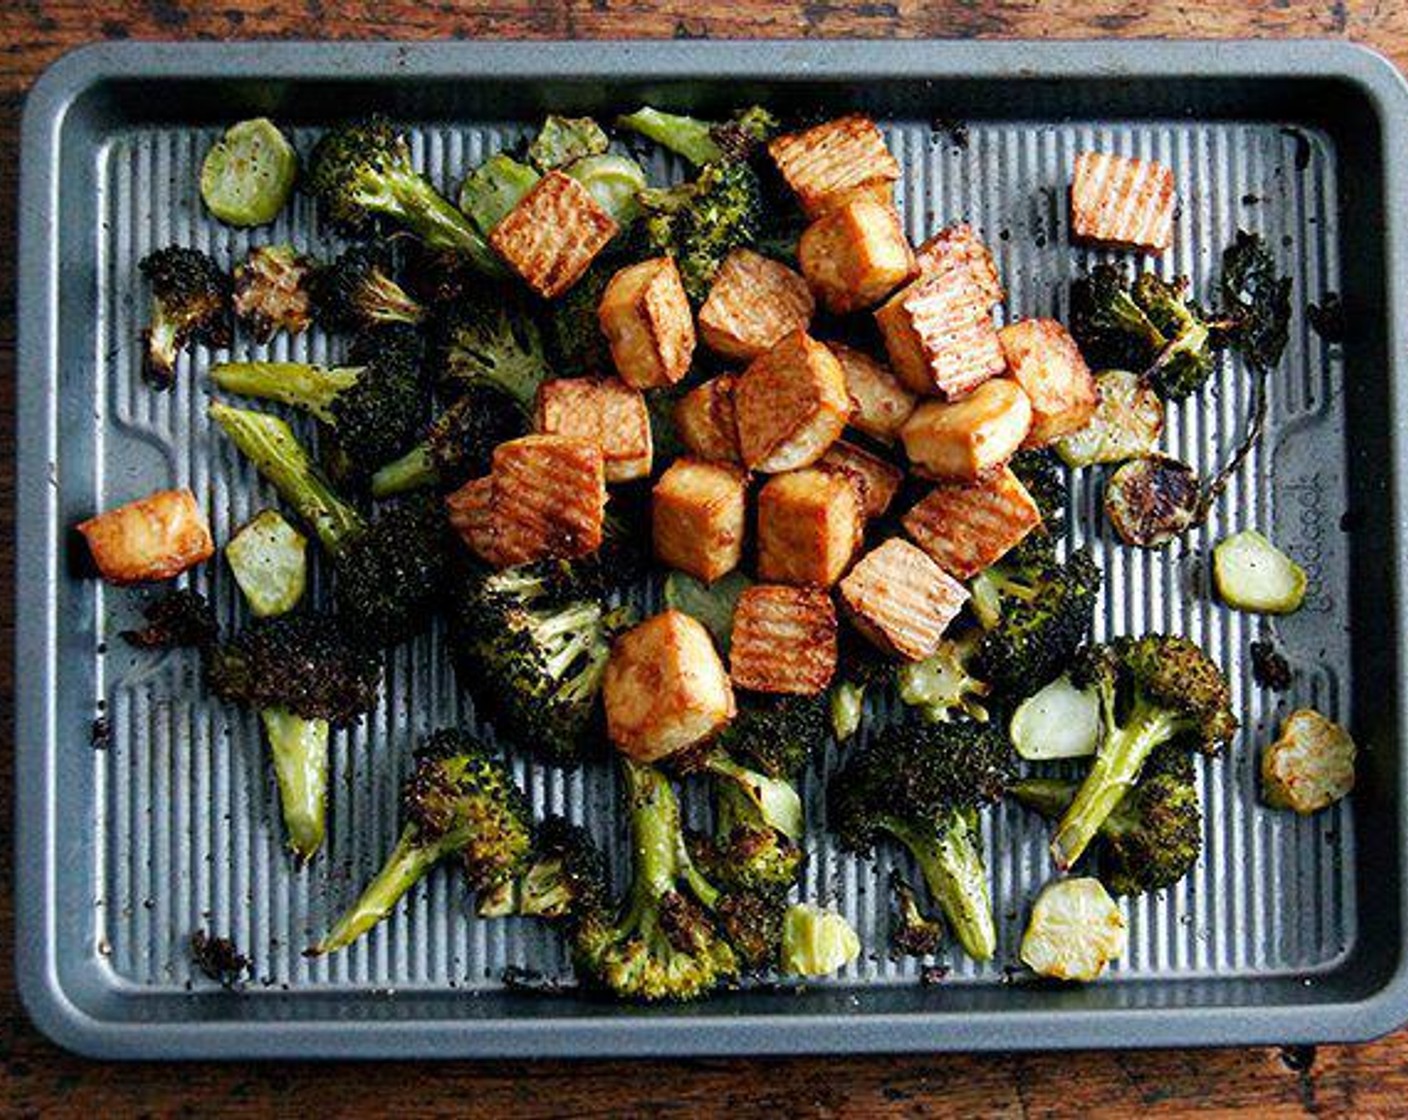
218 959
1326 318
1298 1058
1270 669
955 130
101 734
178 619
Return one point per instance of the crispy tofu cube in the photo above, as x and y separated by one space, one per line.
152 538
880 403
959 441
554 233
606 411
965 529
665 689
791 405
470 511
706 421
901 600
1044 360
855 255
809 523
877 480
699 517
959 245
784 640
647 321
1120 201
752 303
832 163
939 334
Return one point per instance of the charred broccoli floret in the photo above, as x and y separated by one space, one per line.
1153 690
699 223
564 140
942 687
176 619
459 802
1045 478
355 290
362 171
1151 840
913 933
303 676
459 444
701 141
271 291
491 339
664 944
570 325
190 303
922 784
776 735
565 878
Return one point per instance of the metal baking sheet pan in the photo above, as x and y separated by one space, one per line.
1289 929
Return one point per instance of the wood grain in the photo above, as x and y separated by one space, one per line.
39 1079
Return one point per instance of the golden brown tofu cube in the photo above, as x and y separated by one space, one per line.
968 528
939 334
958 245
547 501
152 538
880 403
699 517
877 480
791 405
606 411
959 441
835 162
901 600
855 255
554 233
784 640
647 321
809 523
752 303
665 689
1044 360
706 421
1120 201
470 511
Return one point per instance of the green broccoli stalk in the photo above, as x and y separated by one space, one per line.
921 784
459 802
491 339
493 189
354 291
701 141
190 303
459 444
1153 690
565 878
699 223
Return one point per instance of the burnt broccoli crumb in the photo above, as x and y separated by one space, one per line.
101 734
1270 669
218 959
1326 318
178 619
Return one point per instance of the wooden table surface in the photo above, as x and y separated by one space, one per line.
40 1079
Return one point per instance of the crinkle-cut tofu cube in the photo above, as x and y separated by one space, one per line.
959 245
1116 200
665 688
877 479
965 529
153 538
791 405
753 302
832 163
470 511
901 600
648 324
547 501
606 411
784 640
809 523
880 402
554 233
959 441
939 333
856 255
706 421
699 517
1045 361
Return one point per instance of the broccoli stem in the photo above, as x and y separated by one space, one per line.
952 863
1113 774
300 751
407 865
686 136
391 304
269 443
438 223
163 339
1048 796
773 802
657 840
414 470
311 388
847 705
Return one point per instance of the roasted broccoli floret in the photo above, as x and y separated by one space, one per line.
922 784
355 290
362 171
942 687
701 141
564 140
913 933
177 619
459 444
303 676
459 802
1153 690
190 303
565 878
1257 301
571 327
699 223
664 944
491 339
776 735
1151 840
1046 479
271 291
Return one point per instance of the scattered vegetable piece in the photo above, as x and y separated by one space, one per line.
1310 767
1127 423
248 175
1060 721
816 942
1252 574
269 559
1075 930
1151 500
712 604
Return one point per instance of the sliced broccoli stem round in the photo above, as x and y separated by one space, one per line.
300 751
407 865
311 388
952 863
415 470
